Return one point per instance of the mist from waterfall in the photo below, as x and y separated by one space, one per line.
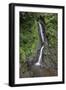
38 63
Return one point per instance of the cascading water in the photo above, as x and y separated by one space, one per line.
41 32
40 57
38 63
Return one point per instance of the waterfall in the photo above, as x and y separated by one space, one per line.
41 32
38 63
40 56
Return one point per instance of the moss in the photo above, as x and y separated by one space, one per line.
51 29
29 39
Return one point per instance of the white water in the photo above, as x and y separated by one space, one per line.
38 63
40 57
41 32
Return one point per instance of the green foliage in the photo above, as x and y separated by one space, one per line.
51 29
29 37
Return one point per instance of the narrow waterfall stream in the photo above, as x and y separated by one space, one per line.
40 57
41 32
38 63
